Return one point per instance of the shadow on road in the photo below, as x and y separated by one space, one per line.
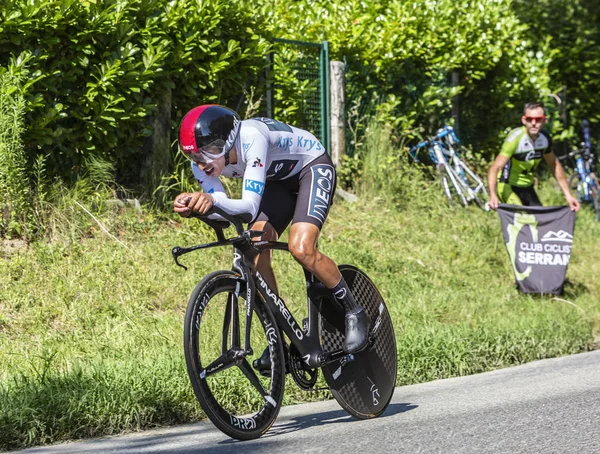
330 417
182 441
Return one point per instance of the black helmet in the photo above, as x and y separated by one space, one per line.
207 132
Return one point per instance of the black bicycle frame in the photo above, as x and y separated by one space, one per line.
306 342
319 301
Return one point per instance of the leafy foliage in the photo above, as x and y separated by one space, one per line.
411 49
571 29
94 75
15 201
96 71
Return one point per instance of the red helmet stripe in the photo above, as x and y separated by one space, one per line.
187 137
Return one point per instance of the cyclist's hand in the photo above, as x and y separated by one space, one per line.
200 202
494 202
573 203
180 204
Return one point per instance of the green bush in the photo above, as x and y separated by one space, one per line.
570 29
98 74
401 55
102 70
15 206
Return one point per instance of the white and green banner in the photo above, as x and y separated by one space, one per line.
538 241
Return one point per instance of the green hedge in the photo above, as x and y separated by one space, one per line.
410 50
97 71
571 29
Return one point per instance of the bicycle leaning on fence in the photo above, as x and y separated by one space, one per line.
223 340
584 180
457 179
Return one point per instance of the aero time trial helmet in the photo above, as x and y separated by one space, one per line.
207 132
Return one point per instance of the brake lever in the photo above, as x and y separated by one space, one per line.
177 252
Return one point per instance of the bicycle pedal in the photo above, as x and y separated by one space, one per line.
263 364
371 342
347 359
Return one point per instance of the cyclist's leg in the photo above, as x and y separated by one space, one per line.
528 196
315 195
507 195
303 246
274 214
263 260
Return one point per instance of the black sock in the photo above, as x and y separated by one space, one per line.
343 295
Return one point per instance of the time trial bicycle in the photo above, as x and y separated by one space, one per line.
234 315
457 179
584 182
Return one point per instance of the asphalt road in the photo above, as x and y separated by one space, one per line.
550 406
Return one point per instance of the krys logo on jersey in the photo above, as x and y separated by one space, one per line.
254 186
539 246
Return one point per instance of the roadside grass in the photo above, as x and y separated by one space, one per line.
91 325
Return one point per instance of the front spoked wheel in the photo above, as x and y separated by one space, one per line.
239 401
477 187
364 385
450 186
576 187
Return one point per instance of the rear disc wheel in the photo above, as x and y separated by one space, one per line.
363 386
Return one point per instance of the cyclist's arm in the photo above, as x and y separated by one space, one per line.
509 147
492 178
557 170
253 185
200 201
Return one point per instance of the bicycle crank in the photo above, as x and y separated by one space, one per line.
304 377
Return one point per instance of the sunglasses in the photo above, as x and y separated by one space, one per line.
207 154
200 158
532 119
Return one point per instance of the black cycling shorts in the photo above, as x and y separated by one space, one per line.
514 194
305 197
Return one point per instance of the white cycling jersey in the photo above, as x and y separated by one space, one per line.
266 150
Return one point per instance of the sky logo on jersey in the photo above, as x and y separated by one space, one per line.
280 169
257 163
254 186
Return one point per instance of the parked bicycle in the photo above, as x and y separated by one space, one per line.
584 181
457 179
223 340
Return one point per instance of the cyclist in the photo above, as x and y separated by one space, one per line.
520 155
287 177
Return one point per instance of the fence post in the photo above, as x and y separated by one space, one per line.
338 109
456 103
157 147
324 85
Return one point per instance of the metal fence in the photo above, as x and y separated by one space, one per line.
298 87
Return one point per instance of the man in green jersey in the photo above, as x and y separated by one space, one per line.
510 178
